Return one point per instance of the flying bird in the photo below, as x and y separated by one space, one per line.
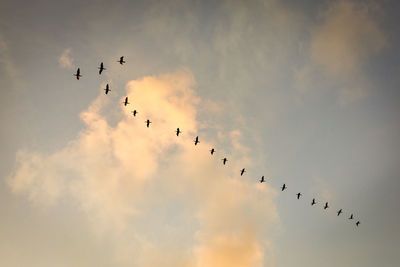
196 141
78 74
147 123
313 202
262 179
101 68
224 160
212 151
126 101
107 89
326 206
351 217
339 212
284 187
358 223
121 60
134 113
242 172
298 195
178 131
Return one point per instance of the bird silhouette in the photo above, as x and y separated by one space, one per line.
224 160
134 112
313 202
358 223
101 68
121 60
298 195
351 217
262 179
126 101
284 187
178 131
196 141
78 74
326 206
148 123
242 172
107 89
339 212
212 151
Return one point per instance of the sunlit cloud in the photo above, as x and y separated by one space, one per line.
157 197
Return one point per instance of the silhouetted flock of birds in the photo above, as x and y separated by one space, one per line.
196 140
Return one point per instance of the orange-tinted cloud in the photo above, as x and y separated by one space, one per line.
157 197
347 36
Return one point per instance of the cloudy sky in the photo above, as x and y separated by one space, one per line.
303 92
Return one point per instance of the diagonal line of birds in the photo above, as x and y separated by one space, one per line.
196 141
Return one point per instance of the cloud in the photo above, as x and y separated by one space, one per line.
158 199
65 60
7 64
347 36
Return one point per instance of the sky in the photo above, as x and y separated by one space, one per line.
302 92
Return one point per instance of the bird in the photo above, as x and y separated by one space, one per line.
262 179
224 160
147 123
351 217
358 223
78 74
339 212
126 101
313 202
196 141
101 68
107 89
326 206
178 131
121 60
134 112
212 151
284 187
242 172
298 195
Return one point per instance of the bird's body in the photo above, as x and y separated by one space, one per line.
107 89
196 141
326 206
242 172
134 113
121 60
351 217
224 160
212 151
78 74
148 123
358 223
283 187
298 195
313 202
126 101
101 68
262 179
339 212
178 131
